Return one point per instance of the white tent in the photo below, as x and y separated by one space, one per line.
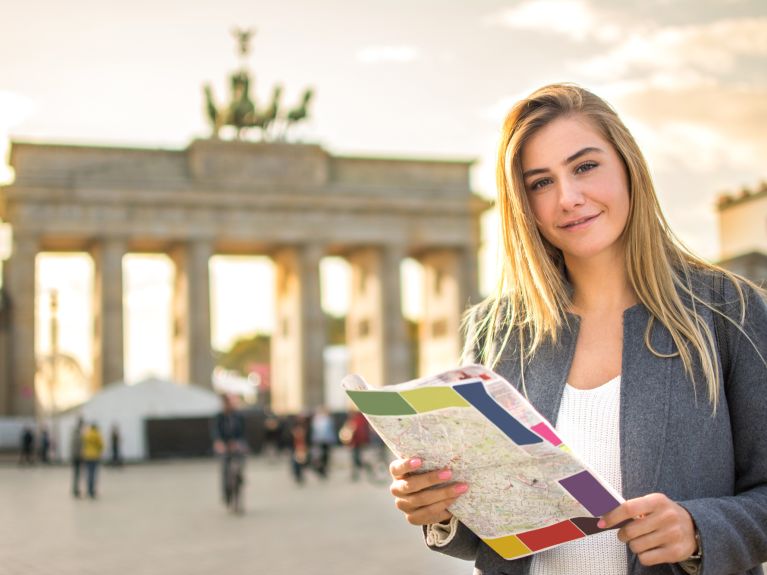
127 406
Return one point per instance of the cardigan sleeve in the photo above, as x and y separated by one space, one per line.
456 541
733 529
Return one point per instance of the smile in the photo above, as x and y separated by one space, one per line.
579 223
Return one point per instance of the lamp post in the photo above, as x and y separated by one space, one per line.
53 379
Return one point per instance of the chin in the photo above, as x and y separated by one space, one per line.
585 252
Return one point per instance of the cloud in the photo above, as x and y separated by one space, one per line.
700 129
709 49
574 19
497 111
375 54
14 109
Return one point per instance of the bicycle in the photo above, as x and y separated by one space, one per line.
233 476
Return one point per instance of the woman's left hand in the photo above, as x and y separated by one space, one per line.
660 530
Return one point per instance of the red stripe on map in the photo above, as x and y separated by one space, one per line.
538 539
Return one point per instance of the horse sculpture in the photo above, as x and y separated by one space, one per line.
243 114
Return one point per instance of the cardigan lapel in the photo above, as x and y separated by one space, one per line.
644 403
546 375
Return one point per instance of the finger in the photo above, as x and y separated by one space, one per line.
638 526
428 497
420 481
434 513
656 556
401 467
631 509
647 542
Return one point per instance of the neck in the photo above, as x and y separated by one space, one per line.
600 284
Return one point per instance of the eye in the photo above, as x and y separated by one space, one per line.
585 167
538 184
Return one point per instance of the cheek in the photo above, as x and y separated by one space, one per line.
624 206
543 218
539 211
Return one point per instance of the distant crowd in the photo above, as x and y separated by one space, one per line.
307 441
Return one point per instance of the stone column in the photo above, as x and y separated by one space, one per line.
299 337
192 353
19 283
108 342
375 328
446 290
397 352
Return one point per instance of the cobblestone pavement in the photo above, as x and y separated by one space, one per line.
167 519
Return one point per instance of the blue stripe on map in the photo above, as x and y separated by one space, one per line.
475 394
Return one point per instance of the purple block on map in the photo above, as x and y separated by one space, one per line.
590 493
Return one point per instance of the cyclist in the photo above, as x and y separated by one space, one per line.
228 431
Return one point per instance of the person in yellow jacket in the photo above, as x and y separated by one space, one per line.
92 448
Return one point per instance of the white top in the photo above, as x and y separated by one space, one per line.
588 423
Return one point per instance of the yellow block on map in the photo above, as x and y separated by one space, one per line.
431 398
508 547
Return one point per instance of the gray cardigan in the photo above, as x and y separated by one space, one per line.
714 466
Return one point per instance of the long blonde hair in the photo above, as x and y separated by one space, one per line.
533 298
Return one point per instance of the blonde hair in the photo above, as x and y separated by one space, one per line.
533 297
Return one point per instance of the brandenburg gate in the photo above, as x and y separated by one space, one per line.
295 203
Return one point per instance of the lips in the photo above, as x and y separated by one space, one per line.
578 222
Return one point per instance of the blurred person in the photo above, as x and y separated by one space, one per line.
299 452
44 449
356 434
228 431
92 449
649 360
323 437
115 443
75 450
272 433
27 447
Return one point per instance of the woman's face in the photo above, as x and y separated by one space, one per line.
577 187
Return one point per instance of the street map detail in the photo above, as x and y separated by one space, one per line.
527 491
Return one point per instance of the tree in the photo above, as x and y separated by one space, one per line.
245 352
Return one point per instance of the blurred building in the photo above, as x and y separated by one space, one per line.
295 203
743 232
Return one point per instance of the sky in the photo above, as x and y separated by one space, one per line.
403 78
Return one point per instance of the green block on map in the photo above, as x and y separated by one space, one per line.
381 403
431 398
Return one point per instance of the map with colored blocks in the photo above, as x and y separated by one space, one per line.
527 491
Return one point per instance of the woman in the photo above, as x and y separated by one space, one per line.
608 325
92 448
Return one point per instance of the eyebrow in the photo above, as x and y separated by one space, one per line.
572 158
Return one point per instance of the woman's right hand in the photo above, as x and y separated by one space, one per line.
423 497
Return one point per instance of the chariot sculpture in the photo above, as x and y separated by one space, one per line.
273 121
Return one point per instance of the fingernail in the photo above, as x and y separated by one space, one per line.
601 523
445 474
415 462
461 488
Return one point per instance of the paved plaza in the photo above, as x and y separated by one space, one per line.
166 519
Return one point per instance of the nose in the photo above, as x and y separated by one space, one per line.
570 194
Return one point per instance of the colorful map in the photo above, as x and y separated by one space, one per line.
527 491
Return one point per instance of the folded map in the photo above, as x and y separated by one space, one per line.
527 490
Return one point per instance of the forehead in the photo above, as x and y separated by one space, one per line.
560 139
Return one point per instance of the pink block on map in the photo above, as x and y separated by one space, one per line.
547 433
